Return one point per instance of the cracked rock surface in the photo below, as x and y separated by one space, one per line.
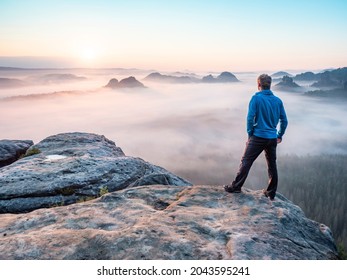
73 167
168 222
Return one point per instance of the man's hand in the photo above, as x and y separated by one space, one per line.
279 140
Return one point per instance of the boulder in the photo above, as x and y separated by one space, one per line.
12 150
168 223
73 167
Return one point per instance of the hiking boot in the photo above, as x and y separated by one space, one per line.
266 193
232 189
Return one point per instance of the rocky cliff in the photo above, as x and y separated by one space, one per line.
73 167
145 212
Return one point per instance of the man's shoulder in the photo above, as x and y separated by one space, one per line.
276 97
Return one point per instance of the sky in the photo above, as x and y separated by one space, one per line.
204 35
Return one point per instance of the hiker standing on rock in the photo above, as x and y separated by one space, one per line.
264 113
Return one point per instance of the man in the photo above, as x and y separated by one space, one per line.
264 113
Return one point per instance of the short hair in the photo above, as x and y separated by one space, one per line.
264 81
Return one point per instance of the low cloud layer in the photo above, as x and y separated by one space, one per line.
195 130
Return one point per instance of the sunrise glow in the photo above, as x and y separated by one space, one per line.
197 35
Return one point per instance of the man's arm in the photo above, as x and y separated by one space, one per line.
251 116
283 123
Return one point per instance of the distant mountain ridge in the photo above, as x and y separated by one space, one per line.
11 83
328 78
330 83
224 77
58 78
280 74
158 77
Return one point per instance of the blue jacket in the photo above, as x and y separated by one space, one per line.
264 113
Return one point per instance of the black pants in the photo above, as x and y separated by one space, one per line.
254 148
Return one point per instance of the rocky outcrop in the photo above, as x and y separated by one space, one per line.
72 167
113 83
77 196
227 77
224 77
11 150
168 222
208 79
129 82
287 83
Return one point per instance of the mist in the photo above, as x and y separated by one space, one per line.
197 131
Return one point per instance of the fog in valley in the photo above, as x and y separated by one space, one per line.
195 130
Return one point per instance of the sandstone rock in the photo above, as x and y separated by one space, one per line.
11 150
227 77
287 83
113 83
129 82
224 77
71 167
208 79
168 222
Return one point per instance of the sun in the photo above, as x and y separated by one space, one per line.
88 54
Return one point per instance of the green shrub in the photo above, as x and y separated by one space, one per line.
342 251
31 152
103 190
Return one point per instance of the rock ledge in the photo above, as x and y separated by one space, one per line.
168 222
72 167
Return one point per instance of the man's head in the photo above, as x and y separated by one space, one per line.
264 82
